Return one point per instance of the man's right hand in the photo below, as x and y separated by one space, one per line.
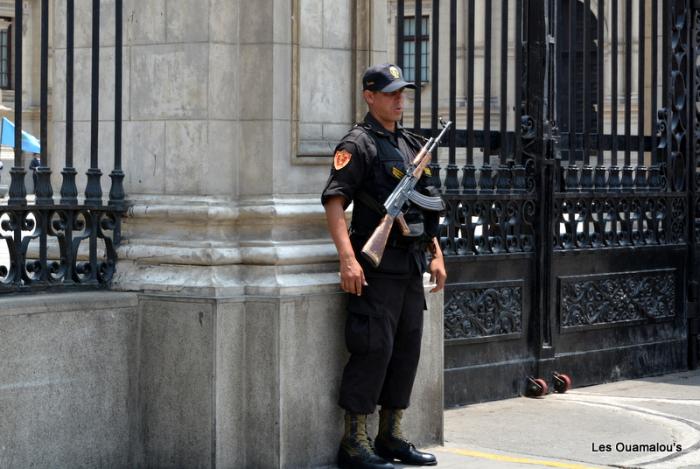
352 277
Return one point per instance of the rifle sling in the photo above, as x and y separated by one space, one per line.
370 202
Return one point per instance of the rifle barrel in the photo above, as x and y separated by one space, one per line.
439 137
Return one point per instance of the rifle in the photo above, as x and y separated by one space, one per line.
373 250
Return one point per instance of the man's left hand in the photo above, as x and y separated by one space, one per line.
438 274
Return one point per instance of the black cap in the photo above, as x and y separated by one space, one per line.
385 78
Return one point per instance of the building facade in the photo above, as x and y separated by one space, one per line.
222 335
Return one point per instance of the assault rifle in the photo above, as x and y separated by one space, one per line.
373 250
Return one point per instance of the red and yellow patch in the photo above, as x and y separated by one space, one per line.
341 159
398 174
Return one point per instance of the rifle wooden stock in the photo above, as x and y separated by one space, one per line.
422 151
419 156
373 250
403 225
421 164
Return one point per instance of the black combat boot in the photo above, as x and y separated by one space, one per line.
356 451
391 444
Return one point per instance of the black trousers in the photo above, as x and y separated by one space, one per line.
383 334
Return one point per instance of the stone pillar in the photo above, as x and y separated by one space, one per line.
242 316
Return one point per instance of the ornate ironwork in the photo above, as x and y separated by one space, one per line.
679 95
488 225
483 221
472 312
615 179
595 300
586 221
526 171
57 247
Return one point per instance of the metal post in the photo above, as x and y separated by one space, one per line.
692 189
469 171
93 190
627 178
451 181
572 170
614 170
504 176
640 179
43 191
69 191
599 178
434 87
586 180
519 183
399 33
18 190
116 193
418 63
486 176
539 51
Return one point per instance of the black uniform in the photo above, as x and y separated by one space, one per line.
384 326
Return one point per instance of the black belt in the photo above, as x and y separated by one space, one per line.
410 245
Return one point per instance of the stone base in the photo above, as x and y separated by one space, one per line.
159 380
68 385
263 382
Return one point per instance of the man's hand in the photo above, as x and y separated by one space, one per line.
438 274
352 277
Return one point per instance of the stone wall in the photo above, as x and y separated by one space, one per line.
163 381
69 388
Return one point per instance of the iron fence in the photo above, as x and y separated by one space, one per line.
71 241
570 179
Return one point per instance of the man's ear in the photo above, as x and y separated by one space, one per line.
369 96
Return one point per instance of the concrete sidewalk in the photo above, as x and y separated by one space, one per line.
650 423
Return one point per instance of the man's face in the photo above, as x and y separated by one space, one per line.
386 107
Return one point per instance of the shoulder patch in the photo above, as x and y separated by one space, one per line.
341 159
397 173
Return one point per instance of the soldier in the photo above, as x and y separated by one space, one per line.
385 308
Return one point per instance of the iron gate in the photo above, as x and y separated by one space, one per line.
570 236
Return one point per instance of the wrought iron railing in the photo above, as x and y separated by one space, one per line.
71 241
619 157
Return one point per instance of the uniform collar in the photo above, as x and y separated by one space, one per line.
379 129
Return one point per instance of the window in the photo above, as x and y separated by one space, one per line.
5 58
409 49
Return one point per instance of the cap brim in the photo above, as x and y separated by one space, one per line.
397 84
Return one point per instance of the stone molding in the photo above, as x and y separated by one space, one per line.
220 247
